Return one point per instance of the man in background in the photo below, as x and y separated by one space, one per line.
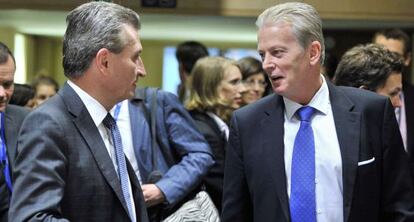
187 55
374 68
399 42
70 164
312 151
11 118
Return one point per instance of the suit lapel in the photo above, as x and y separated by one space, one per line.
347 123
273 147
90 134
10 132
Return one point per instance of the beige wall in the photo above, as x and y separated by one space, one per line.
7 37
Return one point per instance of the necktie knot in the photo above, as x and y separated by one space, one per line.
305 113
109 121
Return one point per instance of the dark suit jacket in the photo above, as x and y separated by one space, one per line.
63 171
255 179
217 141
14 116
408 90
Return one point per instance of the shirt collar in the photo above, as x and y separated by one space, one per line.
95 109
320 101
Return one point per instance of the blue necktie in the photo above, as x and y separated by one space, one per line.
110 123
302 190
4 161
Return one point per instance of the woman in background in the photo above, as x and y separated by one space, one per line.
254 79
215 92
45 87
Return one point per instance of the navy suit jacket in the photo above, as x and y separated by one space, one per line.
255 181
408 90
14 116
184 157
63 171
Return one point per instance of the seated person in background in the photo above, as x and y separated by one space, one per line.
23 95
254 79
45 87
374 68
215 92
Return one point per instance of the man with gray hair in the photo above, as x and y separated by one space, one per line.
70 164
312 151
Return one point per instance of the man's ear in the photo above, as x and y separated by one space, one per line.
315 52
101 60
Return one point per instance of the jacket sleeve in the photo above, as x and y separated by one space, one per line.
39 172
187 143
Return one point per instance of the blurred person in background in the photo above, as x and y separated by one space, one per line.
215 92
11 119
399 42
187 55
23 95
374 68
45 87
254 79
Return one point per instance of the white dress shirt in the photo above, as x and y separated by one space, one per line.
221 124
124 125
98 114
401 118
328 162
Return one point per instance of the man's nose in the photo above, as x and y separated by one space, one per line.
396 101
141 68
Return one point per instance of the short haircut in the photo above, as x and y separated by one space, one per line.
305 21
45 80
5 53
189 52
396 34
22 94
91 27
367 65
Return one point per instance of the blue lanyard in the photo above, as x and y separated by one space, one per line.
3 155
117 109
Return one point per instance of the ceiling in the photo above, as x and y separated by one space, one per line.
172 27
154 26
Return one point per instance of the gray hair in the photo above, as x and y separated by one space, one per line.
305 20
91 27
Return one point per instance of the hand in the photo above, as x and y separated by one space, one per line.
152 194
